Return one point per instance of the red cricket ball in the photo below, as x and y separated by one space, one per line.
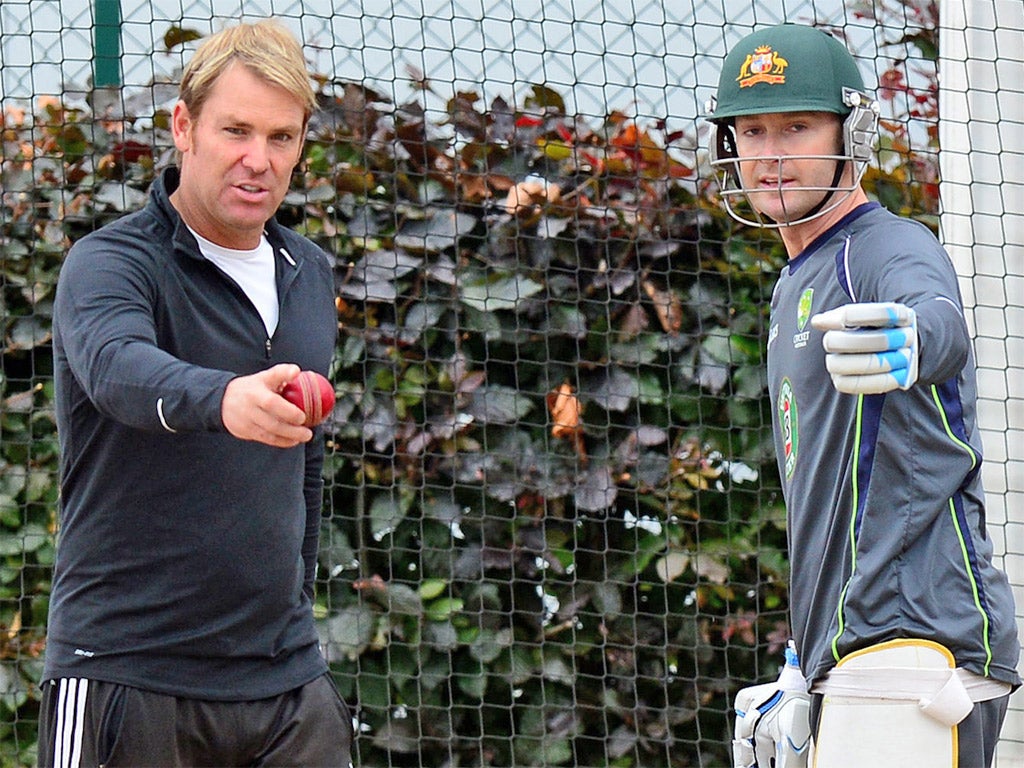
313 394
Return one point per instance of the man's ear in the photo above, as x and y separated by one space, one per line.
181 127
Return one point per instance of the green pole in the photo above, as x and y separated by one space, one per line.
106 62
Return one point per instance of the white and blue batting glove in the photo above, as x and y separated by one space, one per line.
870 348
772 728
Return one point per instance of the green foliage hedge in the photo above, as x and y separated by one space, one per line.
507 587
552 530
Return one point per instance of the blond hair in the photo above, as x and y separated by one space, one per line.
266 48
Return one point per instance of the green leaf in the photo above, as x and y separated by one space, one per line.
420 318
607 598
487 324
399 736
566 321
556 752
557 669
30 332
439 230
402 665
431 588
374 691
615 390
498 405
386 512
350 631
441 635
443 608
522 664
404 600
489 644
29 538
472 680
718 345
672 565
435 672
498 292
596 490
119 197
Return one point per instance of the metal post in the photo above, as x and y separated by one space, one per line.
106 43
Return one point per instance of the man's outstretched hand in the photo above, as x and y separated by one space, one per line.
253 409
870 348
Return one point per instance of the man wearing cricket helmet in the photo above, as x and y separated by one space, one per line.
905 630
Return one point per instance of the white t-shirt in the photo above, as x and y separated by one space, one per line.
253 270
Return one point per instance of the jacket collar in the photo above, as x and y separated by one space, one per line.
160 198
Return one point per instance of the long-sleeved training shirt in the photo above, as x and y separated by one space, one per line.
885 507
186 557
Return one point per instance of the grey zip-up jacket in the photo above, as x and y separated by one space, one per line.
885 506
186 557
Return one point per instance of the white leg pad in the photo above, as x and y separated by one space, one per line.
869 731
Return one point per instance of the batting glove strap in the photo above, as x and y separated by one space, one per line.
870 348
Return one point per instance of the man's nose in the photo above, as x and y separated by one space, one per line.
772 146
256 157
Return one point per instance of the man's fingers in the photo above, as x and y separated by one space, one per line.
279 375
869 315
873 384
870 348
882 340
252 409
881 362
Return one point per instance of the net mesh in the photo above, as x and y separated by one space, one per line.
553 532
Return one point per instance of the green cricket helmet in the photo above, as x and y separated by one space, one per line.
791 68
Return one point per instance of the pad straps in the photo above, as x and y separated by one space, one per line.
947 695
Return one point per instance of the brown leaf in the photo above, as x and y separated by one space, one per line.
566 415
176 36
474 187
667 306
371 585
499 182
565 410
633 322
525 195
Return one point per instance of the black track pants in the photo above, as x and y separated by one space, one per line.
95 723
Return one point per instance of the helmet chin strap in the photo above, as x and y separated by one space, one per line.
836 178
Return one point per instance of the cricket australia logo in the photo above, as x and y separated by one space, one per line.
803 314
803 309
763 66
788 426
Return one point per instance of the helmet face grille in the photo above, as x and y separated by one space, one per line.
740 201
859 132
